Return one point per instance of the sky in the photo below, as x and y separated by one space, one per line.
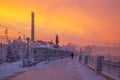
82 22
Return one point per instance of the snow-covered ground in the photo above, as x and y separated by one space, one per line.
65 69
8 69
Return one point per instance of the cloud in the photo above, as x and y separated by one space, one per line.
89 20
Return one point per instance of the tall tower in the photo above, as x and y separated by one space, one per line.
32 27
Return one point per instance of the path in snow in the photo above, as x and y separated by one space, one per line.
64 70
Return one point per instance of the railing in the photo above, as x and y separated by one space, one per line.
92 62
98 63
111 68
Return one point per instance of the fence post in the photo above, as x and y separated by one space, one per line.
119 70
80 58
109 67
99 63
86 59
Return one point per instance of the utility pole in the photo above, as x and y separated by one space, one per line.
6 32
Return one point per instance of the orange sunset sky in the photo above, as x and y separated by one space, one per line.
78 21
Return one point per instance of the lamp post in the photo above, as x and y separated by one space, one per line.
27 55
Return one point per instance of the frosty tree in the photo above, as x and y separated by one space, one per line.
88 50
